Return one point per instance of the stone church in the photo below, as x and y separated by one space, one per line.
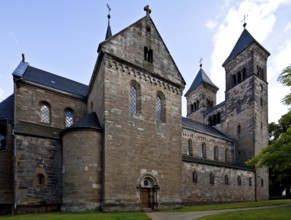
120 142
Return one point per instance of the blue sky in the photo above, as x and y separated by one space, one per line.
62 36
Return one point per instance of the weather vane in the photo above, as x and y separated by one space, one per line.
200 61
109 9
244 20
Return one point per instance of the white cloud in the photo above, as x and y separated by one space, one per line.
288 27
260 22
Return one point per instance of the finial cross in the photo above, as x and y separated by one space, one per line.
244 20
147 9
109 9
200 61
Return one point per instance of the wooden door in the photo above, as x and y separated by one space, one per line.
146 198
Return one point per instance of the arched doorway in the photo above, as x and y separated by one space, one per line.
148 193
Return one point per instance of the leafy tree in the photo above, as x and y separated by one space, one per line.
277 155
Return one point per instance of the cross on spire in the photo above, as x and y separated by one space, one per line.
244 20
200 61
147 9
109 9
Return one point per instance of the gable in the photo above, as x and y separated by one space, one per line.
129 45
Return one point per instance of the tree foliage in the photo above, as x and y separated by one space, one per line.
285 79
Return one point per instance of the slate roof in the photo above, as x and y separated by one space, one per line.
53 81
243 42
203 128
90 120
200 78
7 108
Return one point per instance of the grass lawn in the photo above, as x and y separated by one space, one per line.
236 205
266 214
80 216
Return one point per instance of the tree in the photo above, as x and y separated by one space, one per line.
277 155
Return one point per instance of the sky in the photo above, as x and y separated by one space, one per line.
62 36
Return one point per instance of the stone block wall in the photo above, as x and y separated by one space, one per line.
38 172
202 191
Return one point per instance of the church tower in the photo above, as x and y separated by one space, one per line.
246 102
201 96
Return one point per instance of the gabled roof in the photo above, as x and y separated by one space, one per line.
200 78
7 108
203 128
243 42
50 80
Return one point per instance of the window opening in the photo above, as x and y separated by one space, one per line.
194 177
133 101
239 180
211 177
158 108
204 150
190 148
215 153
69 117
226 180
45 113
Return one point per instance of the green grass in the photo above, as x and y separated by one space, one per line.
236 205
260 214
80 216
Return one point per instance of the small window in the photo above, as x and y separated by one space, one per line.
158 108
190 148
250 181
40 179
218 118
262 182
69 117
133 99
239 180
238 129
204 151
3 136
244 71
261 101
215 153
148 54
211 178
194 177
238 77
226 181
233 80
45 113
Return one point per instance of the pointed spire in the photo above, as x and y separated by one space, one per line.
108 32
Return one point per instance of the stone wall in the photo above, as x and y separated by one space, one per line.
202 191
38 172
6 172
28 100
82 180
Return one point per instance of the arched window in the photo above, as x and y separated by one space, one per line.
195 106
194 177
215 153
262 182
238 129
211 178
250 181
226 181
69 117
40 180
160 107
203 150
133 99
214 120
233 80
238 77
190 148
239 180
45 113
210 121
226 155
218 118
146 53
244 74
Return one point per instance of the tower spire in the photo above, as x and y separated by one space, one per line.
108 32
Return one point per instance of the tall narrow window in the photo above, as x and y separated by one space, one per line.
194 177
133 99
69 117
211 178
204 150
250 181
262 182
239 180
226 181
215 153
45 113
40 180
158 108
190 148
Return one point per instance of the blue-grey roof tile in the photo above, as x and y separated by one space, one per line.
243 42
7 108
90 120
54 81
203 128
200 78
